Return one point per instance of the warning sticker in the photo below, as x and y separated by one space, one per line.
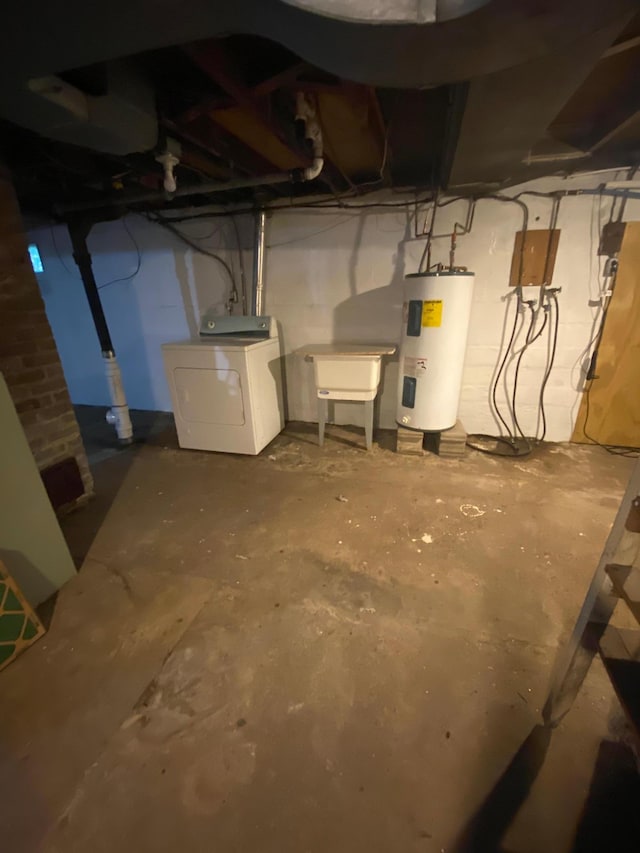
432 312
414 367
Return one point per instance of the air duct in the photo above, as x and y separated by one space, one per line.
119 117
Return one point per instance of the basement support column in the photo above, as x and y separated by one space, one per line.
118 414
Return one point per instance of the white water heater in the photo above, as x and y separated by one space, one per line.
436 311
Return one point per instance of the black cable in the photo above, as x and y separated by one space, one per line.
494 390
527 343
547 374
165 223
241 264
523 445
138 264
320 205
55 246
516 446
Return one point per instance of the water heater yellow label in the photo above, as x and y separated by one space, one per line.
432 312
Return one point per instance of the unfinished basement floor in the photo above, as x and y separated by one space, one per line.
319 650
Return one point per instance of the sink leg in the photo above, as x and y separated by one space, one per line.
368 423
323 411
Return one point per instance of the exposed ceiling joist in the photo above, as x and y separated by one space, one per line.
213 59
219 143
287 77
251 121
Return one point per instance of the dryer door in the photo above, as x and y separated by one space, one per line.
209 396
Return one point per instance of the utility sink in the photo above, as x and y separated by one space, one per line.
346 372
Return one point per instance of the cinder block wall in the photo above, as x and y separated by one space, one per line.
29 358
336 275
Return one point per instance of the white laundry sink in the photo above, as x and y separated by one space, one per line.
347 371
348 375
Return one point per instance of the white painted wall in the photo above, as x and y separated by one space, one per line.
162 303
331 276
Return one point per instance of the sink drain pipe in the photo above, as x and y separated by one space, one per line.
118 414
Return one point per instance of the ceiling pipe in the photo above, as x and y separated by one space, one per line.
198 189
305 112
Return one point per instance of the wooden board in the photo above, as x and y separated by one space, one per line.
538 257
614 397
19 625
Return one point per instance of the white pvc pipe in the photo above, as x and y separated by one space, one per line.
118 414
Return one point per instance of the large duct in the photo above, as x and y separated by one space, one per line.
119 119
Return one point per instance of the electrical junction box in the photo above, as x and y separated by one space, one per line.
611 238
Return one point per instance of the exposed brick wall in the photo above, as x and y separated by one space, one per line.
29 358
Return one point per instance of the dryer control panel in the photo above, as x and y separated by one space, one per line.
254 327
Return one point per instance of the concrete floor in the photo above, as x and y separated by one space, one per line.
319 650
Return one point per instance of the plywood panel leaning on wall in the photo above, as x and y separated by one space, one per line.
610 406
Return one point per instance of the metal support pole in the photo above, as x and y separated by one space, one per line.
257 301
118 415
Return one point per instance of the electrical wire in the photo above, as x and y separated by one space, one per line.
319 205
547 374
494 389
243 281
383 164
527 342
138 263
57 250
166 223
310 234
521 445
517 448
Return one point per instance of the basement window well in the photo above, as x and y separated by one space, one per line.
36 260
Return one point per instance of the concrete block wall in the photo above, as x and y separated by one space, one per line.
334 275
163 302
29 358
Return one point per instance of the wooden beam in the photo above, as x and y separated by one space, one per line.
215 62
218 65
204 107
206 135
196 159
287 77
284 79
